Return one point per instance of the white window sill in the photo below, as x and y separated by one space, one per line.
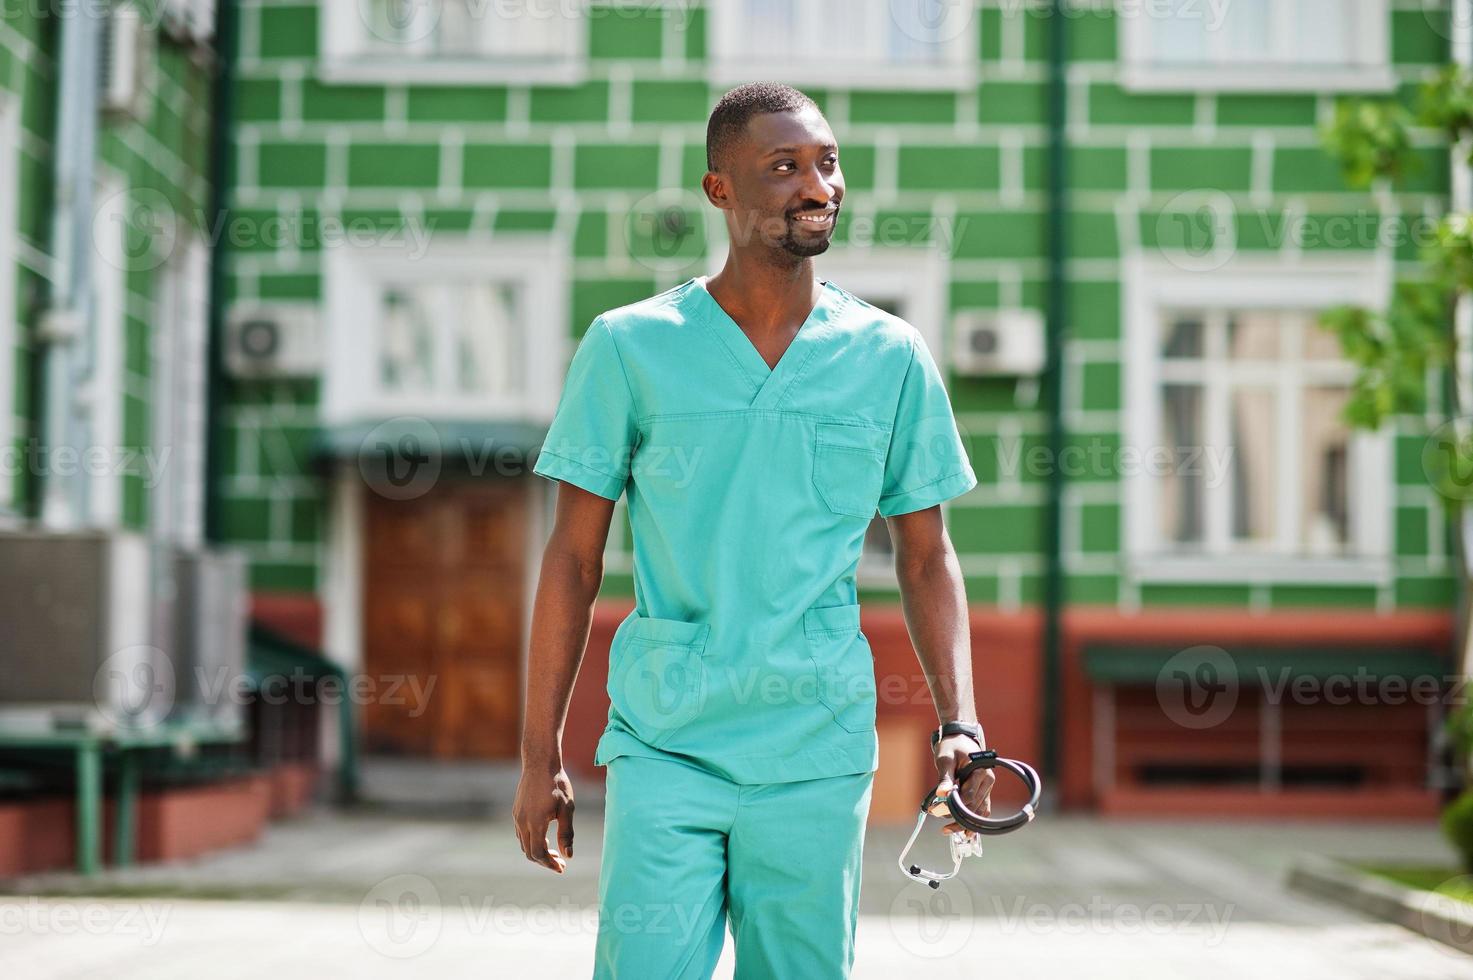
848 75
1256 569
1227 78
434 71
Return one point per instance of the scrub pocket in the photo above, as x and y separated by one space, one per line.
846 667
657 677
849 467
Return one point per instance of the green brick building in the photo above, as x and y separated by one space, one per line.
428 208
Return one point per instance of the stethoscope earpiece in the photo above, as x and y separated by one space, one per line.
952 806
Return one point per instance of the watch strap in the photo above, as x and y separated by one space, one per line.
957 728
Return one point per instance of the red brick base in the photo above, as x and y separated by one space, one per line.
1358 805
175 823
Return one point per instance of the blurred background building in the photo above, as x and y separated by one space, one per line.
302 281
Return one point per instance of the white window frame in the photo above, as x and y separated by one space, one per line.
195 17
179 392
918 278
342 35
353 273
110 330
10 152
1373 73
729 65
1151 285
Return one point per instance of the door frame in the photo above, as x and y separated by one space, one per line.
342 586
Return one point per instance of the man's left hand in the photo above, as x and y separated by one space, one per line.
952 753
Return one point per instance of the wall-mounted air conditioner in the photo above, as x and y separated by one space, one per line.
121 57
274 340
211 615
76 645
988 343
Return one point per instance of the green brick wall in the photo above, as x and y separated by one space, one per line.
27 66
160 157
530 153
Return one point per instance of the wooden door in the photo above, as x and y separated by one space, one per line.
443 597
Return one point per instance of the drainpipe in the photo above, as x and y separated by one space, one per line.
1057 315
63 327
222 176
1462 367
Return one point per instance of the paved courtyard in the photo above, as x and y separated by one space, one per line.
375 895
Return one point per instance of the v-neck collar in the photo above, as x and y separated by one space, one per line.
768 382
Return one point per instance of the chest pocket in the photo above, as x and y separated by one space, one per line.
849 467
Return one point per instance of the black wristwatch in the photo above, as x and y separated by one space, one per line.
957 728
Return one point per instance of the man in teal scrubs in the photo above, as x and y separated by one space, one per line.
757 420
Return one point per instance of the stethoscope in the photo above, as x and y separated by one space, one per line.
954 807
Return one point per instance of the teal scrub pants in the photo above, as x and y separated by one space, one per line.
684 848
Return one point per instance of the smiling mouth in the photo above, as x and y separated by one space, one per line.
818 218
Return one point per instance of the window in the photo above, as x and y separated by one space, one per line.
853 43
194 18
453 41
456 335
179 393
1241 462
1259 383
468 331
1257 44
109 313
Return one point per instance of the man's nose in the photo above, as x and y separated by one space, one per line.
822 189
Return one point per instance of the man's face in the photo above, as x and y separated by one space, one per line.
785 183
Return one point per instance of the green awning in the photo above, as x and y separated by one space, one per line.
473 443
1117 663
269 654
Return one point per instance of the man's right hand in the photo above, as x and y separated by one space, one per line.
542 797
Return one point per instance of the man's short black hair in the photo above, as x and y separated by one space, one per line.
729 119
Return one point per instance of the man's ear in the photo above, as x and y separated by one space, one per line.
718 190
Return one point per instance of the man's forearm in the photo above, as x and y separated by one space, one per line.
561 617
934 601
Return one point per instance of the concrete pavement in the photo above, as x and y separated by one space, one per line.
370 896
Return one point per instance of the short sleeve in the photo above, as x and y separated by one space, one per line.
591 441
927 461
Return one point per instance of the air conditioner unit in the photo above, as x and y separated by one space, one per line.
121 57
188 20
211 616
76 646
274 341
987 343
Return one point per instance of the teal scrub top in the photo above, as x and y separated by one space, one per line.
749 493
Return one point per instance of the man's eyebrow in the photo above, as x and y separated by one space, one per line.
795 149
